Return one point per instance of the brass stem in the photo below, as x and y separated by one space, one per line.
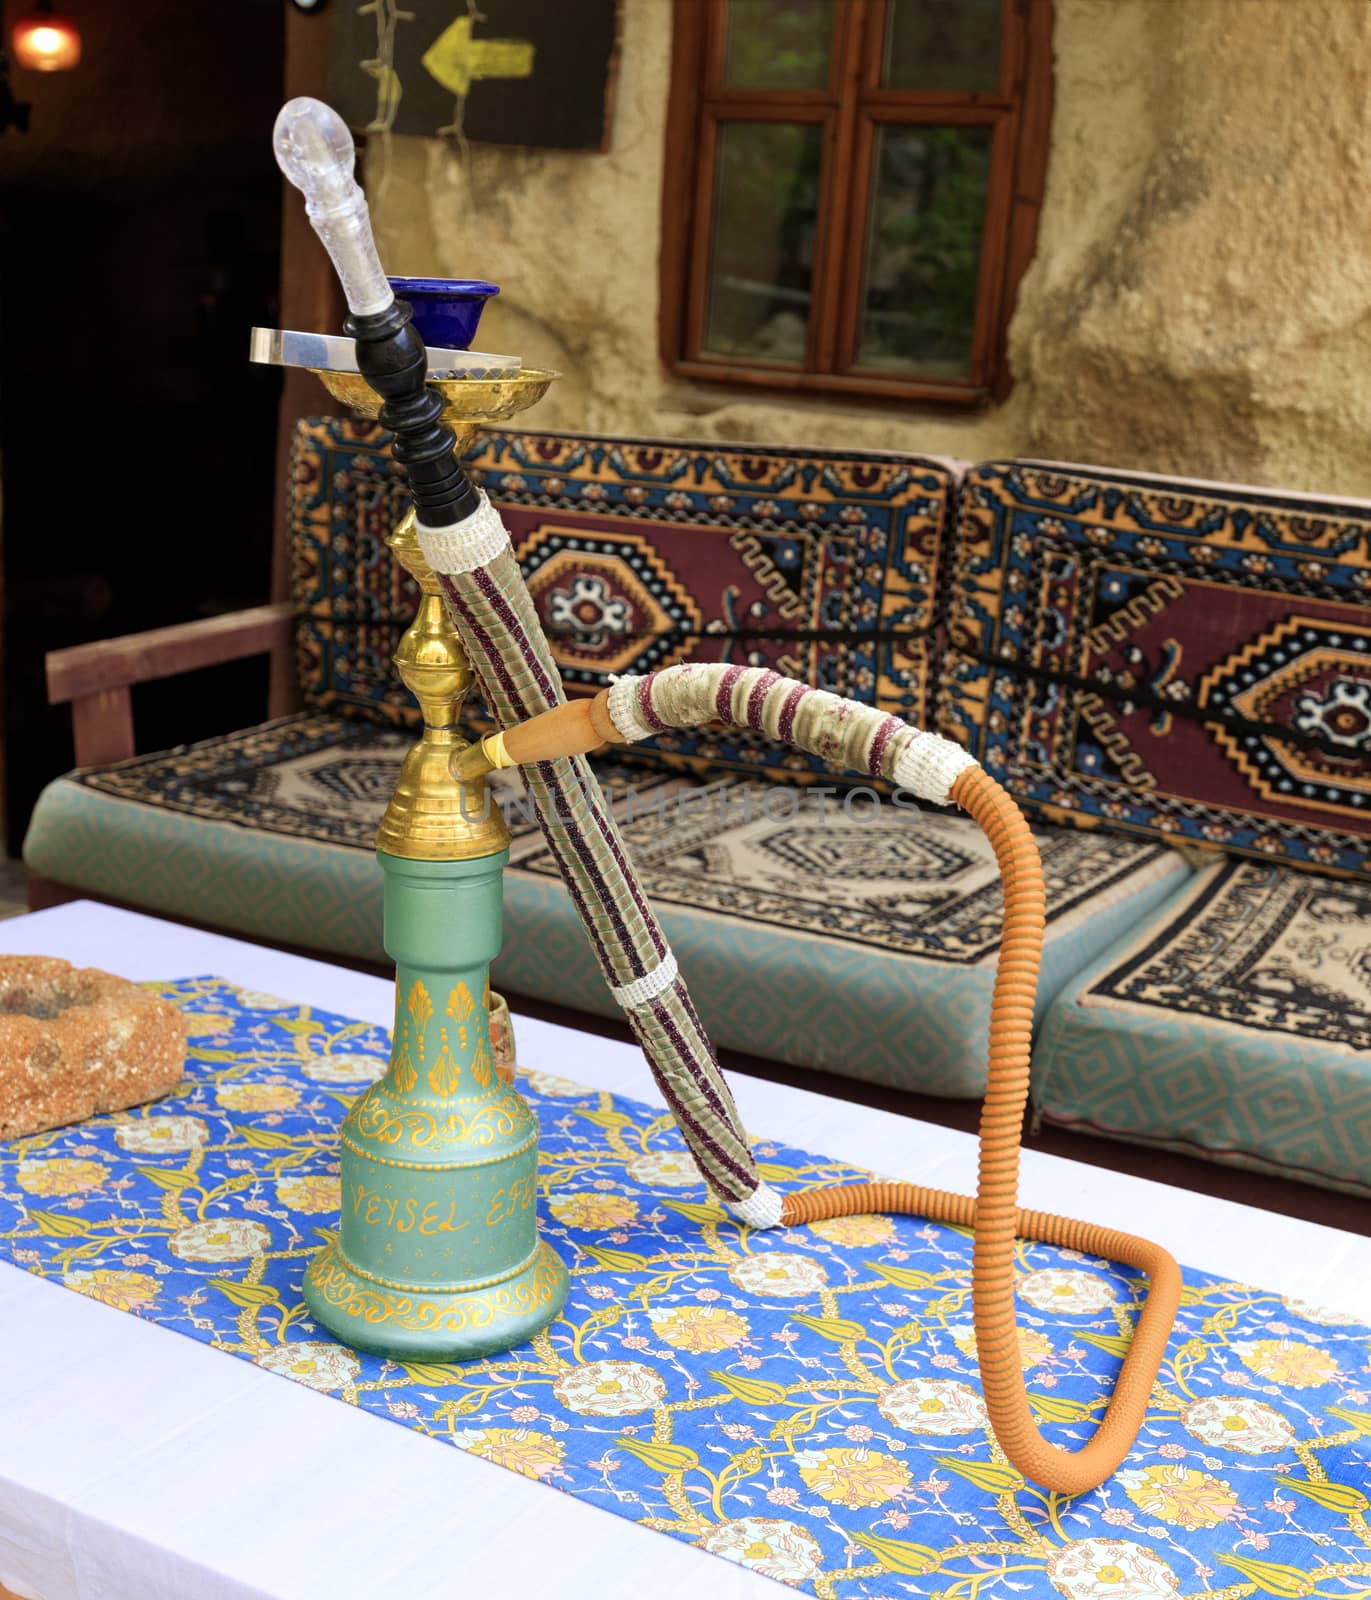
433 816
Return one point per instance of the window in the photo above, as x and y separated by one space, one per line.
852 191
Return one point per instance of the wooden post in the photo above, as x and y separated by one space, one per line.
4 790
311 300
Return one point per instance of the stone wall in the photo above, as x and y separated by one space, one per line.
1200 301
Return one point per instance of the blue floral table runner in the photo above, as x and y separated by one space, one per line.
804 1403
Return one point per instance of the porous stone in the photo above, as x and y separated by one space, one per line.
75 1042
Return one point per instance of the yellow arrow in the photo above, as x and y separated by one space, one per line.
456 60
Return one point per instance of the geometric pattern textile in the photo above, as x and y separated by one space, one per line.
323 778
353 599
1171 659
638 554
1237 1020
803 1403
789 907
246 833
823 565
914 883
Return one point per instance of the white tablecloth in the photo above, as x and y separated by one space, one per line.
136 1464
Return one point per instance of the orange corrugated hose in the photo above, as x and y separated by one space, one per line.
994 1215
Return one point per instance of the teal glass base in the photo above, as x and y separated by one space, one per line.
438 1256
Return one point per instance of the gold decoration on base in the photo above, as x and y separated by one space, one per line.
422 1310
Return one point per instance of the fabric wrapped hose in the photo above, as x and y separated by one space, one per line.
864 740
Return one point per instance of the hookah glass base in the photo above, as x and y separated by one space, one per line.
438 1256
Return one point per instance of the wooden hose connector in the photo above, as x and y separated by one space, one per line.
993 1215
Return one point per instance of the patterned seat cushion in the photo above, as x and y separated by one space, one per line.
817 931
821 564
1168 658
353 598
1236 1022
815 928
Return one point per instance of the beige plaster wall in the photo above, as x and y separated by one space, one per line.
1200 301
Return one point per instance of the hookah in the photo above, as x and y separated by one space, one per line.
438 1256
467 553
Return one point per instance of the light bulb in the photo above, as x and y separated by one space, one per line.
45 41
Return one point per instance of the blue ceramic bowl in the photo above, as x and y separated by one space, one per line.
446 310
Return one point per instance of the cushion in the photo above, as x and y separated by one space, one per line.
815 928
268 833
1234 1023
1174 659
830 932
353 598
824 565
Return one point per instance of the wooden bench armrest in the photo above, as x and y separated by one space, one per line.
96 678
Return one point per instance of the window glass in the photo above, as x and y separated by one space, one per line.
942 45
918 308
766 202
778 44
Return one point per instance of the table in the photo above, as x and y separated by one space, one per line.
136 1464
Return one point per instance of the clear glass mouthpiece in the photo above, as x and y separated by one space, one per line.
315 151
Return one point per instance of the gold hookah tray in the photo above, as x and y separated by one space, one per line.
465 400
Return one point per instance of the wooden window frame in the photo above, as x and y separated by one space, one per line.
850 110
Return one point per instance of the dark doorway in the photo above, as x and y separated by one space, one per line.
140 221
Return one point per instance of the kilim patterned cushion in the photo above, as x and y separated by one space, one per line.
1167 658
353 597
814 928
822 564
1236 1022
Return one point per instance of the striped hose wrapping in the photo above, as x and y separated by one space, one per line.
845 734
503 638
